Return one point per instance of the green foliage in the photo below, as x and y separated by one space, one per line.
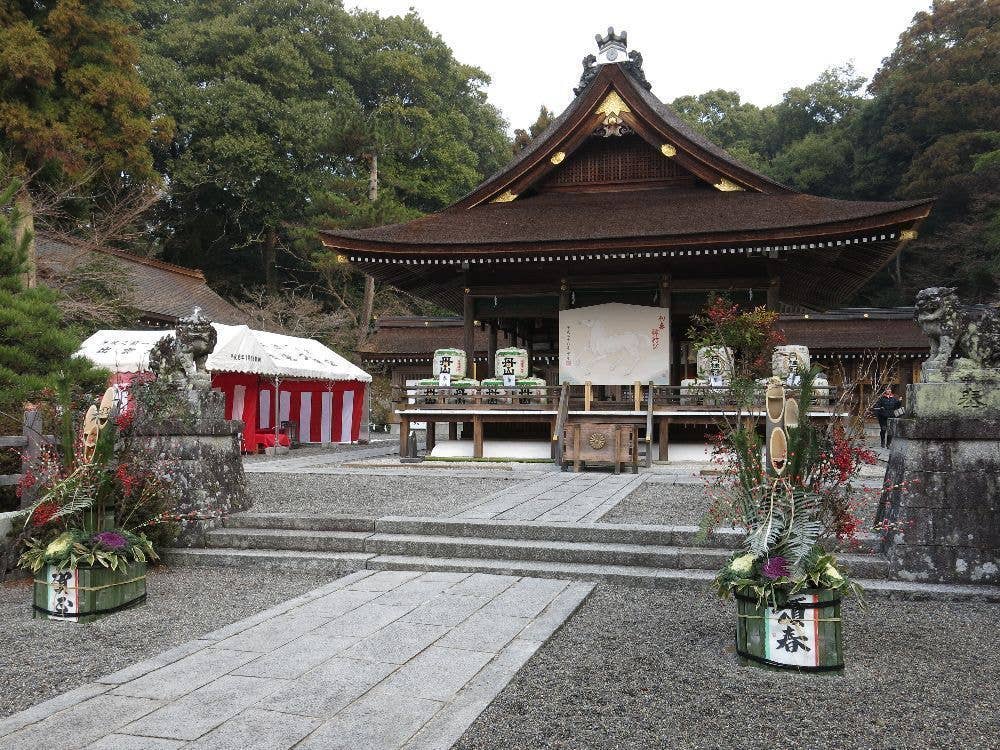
928 128
279 107
35 344
78 547
71 103
523 137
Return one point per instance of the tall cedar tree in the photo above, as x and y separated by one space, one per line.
72 107
35 343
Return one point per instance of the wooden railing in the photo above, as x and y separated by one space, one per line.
29 443
590 398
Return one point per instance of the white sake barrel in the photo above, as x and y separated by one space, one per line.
452 361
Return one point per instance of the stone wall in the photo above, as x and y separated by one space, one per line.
946 519
206 468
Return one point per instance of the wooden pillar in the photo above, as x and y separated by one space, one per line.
453 430
666 302
491 354
477 436
773 294
469 340
404 436
563 295
431 437
664 439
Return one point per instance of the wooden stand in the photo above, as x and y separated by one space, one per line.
595 442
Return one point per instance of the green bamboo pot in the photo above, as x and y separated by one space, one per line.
87 593
803 634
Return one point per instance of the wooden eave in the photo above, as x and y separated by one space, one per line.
902 219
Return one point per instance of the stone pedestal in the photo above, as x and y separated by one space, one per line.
946 448
206 465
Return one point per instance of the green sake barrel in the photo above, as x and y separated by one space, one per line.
84 594
802 633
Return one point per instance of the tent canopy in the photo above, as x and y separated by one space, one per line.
239 349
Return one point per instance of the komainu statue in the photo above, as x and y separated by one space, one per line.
180 360
956 340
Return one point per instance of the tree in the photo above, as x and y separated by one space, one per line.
72 107
932 130
259 96
424 136
739 127
523 137
35 343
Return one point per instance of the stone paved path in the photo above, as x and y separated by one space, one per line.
558 497
389 659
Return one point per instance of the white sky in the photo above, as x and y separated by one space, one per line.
760 48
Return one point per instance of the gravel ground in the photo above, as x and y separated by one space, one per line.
640 668
41 658
320 450
662 504
371 496
669 504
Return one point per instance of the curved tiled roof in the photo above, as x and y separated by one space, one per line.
623 215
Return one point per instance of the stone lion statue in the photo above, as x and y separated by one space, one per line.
956 340
180 360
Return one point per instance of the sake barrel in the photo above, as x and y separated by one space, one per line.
715 361
511 361
801 632
451 361
790 359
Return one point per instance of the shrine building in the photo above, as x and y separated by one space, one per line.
620 207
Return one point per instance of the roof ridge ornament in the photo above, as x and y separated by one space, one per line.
612 49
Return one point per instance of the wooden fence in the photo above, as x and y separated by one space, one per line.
29 443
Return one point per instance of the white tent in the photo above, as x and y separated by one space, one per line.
239 349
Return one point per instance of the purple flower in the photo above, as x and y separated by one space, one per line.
775 568
111 539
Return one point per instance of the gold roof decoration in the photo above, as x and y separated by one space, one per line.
726 185
613 105
505 197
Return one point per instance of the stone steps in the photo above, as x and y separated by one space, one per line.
335 563
632 546
303 540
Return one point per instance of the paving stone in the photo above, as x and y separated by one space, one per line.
365 620
43 710
416 592
274 633
132 742
485 631
327 689
383 580
526 598
206 708
80 724
336 603
436 674
483 584
557 612
298 657
186 675
446 609
372 724
148 665
396 643
257 730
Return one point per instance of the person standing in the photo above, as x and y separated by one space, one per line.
885 408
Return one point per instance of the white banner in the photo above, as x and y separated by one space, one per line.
614 344
793 633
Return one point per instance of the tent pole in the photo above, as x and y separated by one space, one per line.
277 412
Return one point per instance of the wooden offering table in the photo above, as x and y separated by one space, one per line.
600 442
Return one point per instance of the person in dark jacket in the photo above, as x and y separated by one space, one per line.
885 409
